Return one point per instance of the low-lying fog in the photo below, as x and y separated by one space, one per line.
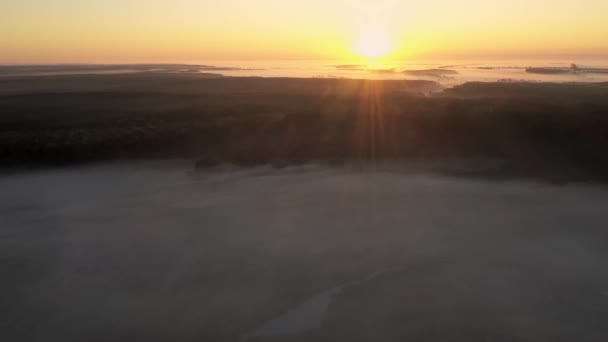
152 251
445 72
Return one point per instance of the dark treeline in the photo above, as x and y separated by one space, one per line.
548 130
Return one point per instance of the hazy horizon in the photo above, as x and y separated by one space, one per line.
445 72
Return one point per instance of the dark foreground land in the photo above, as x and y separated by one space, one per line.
352 247
554 131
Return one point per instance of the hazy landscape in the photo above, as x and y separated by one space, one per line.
303 171
553 131
446 72
163 205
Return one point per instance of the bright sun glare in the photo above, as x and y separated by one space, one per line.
373 44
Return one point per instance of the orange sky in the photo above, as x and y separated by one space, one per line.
33 31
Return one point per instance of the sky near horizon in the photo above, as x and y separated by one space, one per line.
54 31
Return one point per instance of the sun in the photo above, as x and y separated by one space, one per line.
374 43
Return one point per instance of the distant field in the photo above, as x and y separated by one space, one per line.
547 130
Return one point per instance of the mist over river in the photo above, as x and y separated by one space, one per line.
447 72
154 251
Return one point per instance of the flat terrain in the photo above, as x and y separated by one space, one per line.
553 131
